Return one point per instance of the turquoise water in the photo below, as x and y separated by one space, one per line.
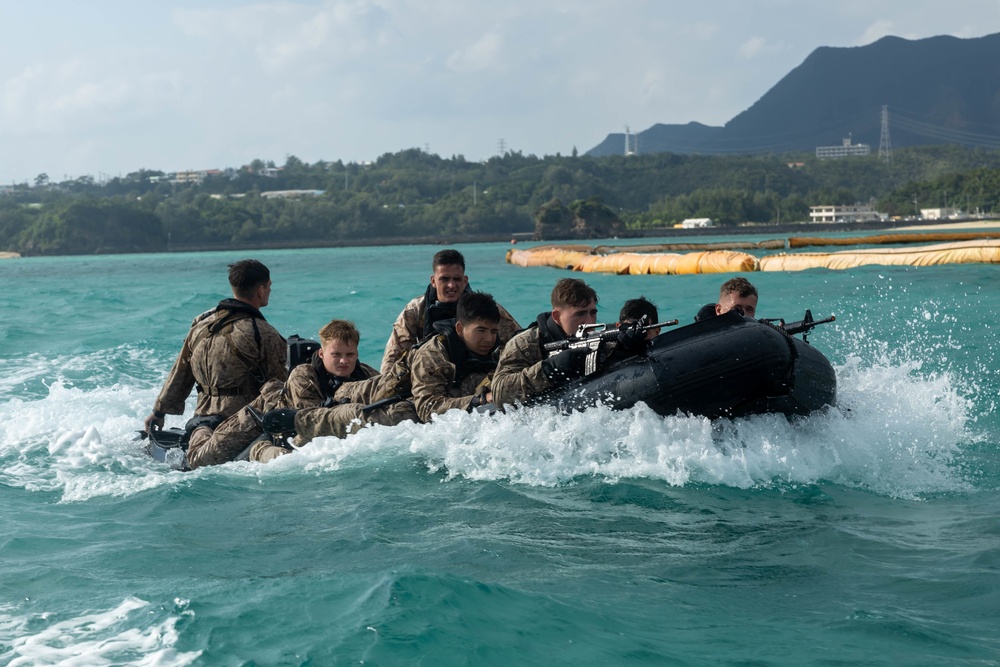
863 535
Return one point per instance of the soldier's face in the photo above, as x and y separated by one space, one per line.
569 318
339 357
449 280
479 335
265 293
746 305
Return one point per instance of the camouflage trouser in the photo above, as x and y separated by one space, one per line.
338 421
232 436
343 420
265 450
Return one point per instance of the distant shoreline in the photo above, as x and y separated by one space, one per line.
810 228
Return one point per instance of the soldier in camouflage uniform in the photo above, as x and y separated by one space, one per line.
229 353
330 375
416 322
335 383
525 369
453 369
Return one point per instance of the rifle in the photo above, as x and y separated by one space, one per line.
395 398
591 337
803 326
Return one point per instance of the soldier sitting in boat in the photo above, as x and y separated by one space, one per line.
416 321
453 369
526 369
229 353
333 375
735 294
447 370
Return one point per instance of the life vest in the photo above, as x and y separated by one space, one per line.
329 384
466 361
433 311
398 381
548 331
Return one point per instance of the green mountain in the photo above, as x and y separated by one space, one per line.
939 90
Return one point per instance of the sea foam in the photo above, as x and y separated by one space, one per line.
897 431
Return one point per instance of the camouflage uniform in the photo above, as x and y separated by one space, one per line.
212 447
315 420
411 327
434 367
228 355
343 420
305 388
519 373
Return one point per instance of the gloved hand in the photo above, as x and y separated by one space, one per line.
632 339
280 421
565 365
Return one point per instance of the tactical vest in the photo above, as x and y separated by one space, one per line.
235 311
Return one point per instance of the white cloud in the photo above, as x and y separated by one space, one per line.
704 31
284 36
213 82
17 90
75 94
875 31
752 47
758 46
482 55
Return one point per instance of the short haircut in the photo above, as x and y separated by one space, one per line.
739 286
342 331
634 309
246 274
572 293
477 306
448 257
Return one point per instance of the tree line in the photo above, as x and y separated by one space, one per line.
414 194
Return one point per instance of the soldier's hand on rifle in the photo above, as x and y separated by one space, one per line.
565 365
632 339
280 421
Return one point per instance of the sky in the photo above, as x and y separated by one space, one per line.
107 87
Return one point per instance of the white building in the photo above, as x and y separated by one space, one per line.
947 213
285 194
697 223
845 149
852 213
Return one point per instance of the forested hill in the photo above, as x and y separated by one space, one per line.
939 90
412 194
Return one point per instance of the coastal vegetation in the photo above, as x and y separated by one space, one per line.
416 195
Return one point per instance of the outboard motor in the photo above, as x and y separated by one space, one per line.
300 350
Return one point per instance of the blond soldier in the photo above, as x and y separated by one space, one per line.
331 391
330 376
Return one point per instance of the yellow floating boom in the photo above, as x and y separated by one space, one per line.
889 239
586 259
630 263
965 252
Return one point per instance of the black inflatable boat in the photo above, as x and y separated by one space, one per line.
725 366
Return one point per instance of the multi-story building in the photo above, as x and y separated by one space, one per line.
845 149
852 213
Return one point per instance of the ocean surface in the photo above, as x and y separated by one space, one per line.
868 534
